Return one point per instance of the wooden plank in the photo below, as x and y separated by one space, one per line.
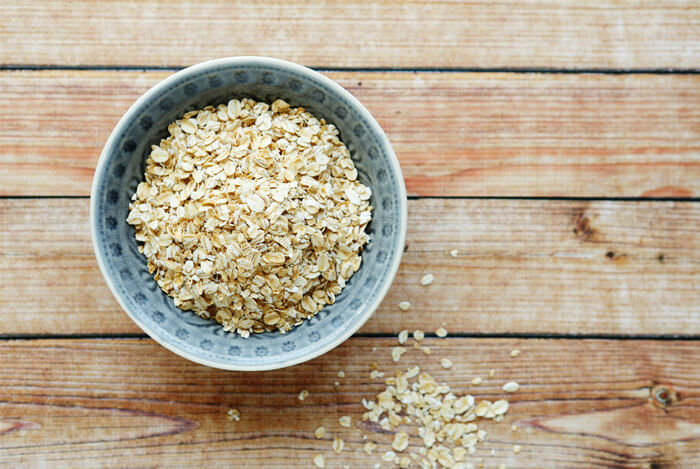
454 133
118 403
382 33
526 266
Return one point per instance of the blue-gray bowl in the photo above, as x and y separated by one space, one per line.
121 167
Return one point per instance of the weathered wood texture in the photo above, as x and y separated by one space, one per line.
392 33
524 266
455 134
118 403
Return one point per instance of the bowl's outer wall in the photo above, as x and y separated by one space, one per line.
121 168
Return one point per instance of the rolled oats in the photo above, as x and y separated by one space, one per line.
427 279
234 415
251 214
447 424
500 407
400 442
511 386
396 353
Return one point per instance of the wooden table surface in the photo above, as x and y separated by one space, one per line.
555 145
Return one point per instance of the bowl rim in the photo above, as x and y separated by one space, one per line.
365 114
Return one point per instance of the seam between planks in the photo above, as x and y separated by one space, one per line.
521 70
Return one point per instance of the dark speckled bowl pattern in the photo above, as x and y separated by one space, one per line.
120 169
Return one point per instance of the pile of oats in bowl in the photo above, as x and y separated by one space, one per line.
251 214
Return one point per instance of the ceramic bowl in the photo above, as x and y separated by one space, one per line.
121 168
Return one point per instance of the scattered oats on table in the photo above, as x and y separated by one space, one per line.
320 432
427 279
369 447
251 214
511 386
500 407
345 421
441 332
400 442
412 372
234 415
396 353
319 461
447 424
404 305
303 394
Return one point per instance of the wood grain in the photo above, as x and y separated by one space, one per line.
382 33
526 266
610 268
456 134
118 403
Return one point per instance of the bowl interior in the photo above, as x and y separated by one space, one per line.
121 169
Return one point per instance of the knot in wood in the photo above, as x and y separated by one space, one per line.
663 396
